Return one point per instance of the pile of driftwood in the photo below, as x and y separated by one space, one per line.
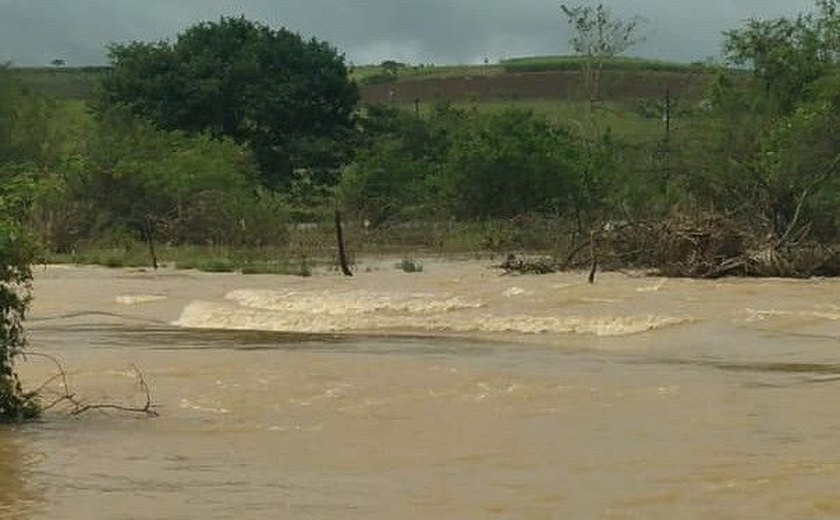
705 246
714 247
519 264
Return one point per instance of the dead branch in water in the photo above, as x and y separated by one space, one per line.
702 246
79 407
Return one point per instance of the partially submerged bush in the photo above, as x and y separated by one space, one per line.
16 253
410 265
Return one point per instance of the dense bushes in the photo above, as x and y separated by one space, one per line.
501 165
115 178
474 166
396 173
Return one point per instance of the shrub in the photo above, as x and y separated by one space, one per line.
410 265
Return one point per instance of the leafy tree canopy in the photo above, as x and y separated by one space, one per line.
787 55
505 164
598 34
288 99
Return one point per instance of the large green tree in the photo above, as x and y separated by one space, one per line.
289 99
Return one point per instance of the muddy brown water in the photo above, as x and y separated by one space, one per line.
451 393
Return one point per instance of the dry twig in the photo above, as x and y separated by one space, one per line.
79 407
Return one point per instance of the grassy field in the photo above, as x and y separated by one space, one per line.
363 74
61 82
633 122
633 91
314 248
620 63
622 120
527 64
517 77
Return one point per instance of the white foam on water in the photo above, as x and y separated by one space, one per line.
764 314
347 303
652 288
137 299
355 311
515 291
188 405
593 325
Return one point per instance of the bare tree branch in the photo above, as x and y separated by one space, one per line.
79 407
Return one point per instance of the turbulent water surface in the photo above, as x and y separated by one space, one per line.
452 393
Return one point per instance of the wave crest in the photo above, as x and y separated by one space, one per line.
362 311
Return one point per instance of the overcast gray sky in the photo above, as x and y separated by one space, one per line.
33 32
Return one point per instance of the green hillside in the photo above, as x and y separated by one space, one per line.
631 103
517 78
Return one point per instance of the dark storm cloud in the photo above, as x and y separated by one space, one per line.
32 32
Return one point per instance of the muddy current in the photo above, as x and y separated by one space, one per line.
450 393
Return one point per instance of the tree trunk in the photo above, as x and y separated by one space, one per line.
593 257
150 240
342 252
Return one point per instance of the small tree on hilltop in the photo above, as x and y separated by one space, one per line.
391 68
598 36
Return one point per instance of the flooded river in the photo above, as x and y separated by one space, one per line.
454 393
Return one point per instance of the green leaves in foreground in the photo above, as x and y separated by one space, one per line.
16 252
17 249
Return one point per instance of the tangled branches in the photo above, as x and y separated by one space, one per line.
705 246
715 247
65 396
